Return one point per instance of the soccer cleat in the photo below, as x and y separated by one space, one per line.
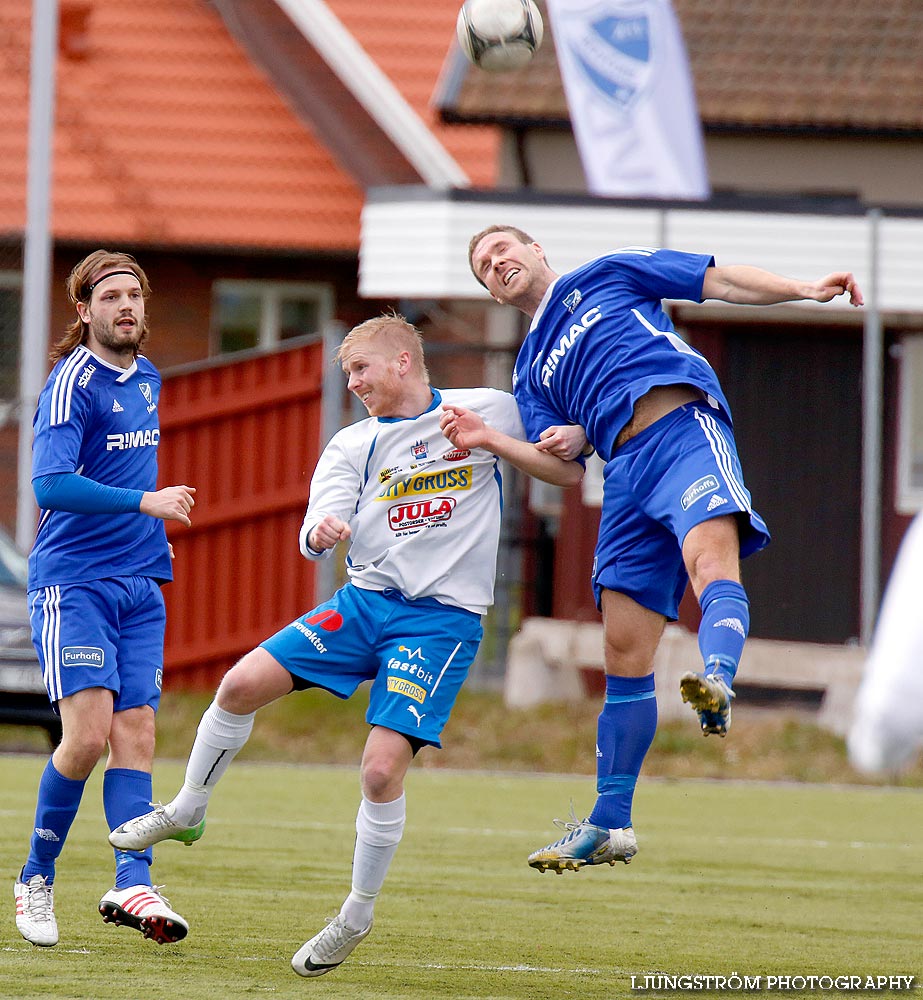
153 827
35 918
328 948
585 844
142 908
711 698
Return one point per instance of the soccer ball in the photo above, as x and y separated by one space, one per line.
499 35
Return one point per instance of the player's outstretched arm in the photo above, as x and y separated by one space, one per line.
465 429
746 285
172 503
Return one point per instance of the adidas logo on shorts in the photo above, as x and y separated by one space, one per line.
715 501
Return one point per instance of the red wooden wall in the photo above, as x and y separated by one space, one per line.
246 435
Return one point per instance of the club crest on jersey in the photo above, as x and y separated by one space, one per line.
418 450
148 395
572 300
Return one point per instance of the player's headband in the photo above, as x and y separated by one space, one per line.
110 274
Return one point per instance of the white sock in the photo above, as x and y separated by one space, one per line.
379 828
219 736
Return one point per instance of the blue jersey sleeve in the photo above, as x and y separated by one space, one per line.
662 274
58 430
79 495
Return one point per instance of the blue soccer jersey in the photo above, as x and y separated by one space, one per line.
601 339
100 421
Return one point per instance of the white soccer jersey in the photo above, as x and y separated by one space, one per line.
424 515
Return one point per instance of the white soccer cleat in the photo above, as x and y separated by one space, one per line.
144 831
327 949
142 908
35 917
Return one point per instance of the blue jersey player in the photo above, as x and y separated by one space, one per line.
99 558
602 354
422 519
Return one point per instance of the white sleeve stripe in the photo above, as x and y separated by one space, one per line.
60 387
64 387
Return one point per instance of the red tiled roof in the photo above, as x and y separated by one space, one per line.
789 64
410 44
166 133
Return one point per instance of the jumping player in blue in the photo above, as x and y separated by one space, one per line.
99 558
423 522
601 354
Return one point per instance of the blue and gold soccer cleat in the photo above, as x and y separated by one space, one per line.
585 844
711 698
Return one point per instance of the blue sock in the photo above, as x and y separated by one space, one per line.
624 735
724 627
58 801
127 794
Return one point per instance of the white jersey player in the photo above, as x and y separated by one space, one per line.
422 517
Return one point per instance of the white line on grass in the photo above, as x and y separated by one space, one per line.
449 966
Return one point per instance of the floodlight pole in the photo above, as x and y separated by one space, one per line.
33 340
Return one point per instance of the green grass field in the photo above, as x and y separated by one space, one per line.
753 879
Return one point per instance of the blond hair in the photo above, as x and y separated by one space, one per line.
389 334
80 287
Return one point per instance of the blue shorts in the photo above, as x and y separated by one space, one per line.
675 474
416 653
101 634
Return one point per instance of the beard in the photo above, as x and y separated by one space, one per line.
114 338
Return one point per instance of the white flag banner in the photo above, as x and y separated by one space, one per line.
629 91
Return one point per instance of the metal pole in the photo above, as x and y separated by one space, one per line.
38 248
872 351
326 570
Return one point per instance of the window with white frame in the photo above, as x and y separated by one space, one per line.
251 314
910 461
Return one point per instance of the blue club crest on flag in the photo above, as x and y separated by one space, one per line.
614 51
419 450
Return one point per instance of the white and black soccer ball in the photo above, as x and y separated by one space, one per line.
499 35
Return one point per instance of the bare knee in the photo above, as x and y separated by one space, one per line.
80 750
132 738
711 551
379 780
384 763
86 720
254 681
632 634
